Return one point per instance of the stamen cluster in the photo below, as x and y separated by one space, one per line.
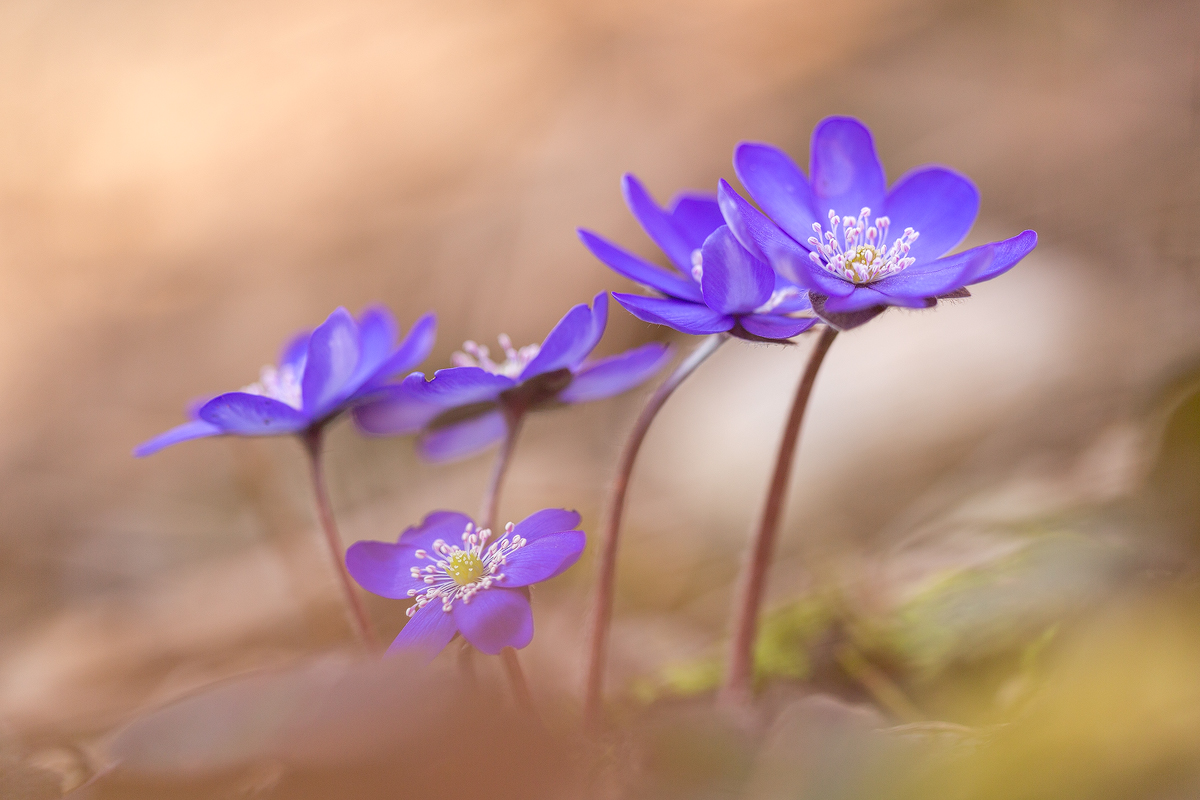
282 384
459 573
863 255
477 355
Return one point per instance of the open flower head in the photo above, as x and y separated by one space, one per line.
716 285
320 374
467 580
855 244
461 410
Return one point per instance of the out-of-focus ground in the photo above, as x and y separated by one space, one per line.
184 184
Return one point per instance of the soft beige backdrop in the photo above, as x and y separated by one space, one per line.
184 184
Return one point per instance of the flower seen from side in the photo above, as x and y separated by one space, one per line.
465 408
467 580
717 285
855 244
321 374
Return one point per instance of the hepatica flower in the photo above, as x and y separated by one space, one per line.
468 407
856 245
717 284
467 580
320 374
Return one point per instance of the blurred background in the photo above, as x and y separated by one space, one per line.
183 185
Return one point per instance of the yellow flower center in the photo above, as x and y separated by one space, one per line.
464 567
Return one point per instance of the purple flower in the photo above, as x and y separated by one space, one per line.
463 580
463 408
719 285
320 374
819 231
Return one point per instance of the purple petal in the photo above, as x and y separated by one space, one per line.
643 272
377 332
938 277
798 301
778 186
427 632
657 224
495 619
546 521
195 429
295 352
544 558
252 415
570 341
936 202
459 386
734 281
846 173
696 216
774 326
464 438
1006 255
384 569
611 376
693 318
397 409
333 353
864 297
760 235
411 352
448 525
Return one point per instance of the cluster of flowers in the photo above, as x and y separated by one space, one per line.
836 247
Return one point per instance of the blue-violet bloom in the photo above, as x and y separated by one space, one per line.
320 374
719 286
463 580
465 408
818 230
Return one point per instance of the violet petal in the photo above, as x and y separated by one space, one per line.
611 376
643 272
252 414
693 318
548 520
845 170
657 223
542 559
494 619
196 429
734 281
938 203
778 186
333 353
570 341
428 632
774 326
463 439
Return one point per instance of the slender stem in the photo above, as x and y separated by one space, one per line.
739 669
516 677
513 417
355 610
606 567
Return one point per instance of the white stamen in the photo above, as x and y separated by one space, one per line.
697 265
862 255
447 559
477 355
282 384
777 298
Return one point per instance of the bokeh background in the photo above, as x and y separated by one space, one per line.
184 184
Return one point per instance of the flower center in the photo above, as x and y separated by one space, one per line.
464 567
459 573
862 255
477 355
282 384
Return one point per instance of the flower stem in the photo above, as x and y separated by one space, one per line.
516 677
606 567
356 611
513 417
739 669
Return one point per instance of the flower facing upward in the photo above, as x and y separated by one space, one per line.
464 579
719 286
848 239
462 409
321 374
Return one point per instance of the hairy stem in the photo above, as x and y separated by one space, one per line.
488 509
606 566
355 610
739 669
